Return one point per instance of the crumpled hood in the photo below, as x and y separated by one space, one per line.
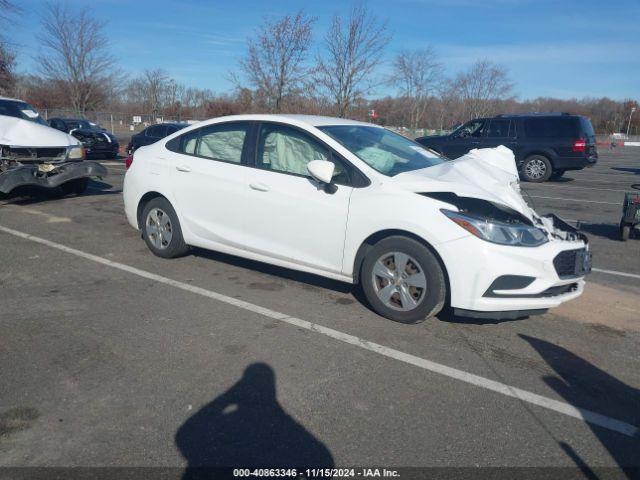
17 132
489 174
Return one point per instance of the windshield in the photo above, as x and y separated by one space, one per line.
18 109
79 125
381 149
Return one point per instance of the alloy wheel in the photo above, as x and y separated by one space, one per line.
535 169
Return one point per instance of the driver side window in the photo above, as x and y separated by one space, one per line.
287 150
474 128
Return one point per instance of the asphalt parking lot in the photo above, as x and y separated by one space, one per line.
112 356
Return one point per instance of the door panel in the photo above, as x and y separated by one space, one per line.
210 183
291 216
294 219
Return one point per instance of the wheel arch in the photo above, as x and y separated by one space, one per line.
374 238
541 152
146 198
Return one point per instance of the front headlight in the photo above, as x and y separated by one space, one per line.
514 234
75 153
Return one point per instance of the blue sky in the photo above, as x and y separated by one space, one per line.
571 48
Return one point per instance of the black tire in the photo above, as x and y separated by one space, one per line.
432 298
536 169
175 247
557 173
625 232
77 186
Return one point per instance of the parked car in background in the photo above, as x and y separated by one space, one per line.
98 143
152 134
358 203
32 153
544 145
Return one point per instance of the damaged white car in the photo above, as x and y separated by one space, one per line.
355 202
32 153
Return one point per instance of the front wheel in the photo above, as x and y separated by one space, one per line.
536 169
403 281
161 229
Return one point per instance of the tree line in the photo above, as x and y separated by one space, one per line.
281 71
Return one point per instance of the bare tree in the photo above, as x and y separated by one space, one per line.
154 83
76 52
482 87
7 57
274 64
418 75
353 51
7 65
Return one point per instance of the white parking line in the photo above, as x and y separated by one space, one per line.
563 186
470 378
615 272
575 200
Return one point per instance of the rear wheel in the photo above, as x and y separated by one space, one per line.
536 168
161 229
403 280
77 186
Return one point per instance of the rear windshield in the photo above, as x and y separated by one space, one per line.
18 109
546 127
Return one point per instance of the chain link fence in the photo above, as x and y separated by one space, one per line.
122 125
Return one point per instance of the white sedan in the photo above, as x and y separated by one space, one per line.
358 203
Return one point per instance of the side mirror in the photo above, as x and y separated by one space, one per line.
321 170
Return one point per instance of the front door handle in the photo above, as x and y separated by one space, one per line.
260 187
183 168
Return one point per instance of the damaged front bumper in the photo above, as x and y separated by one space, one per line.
48 175
516 281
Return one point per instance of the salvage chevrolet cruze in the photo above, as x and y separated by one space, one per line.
358 203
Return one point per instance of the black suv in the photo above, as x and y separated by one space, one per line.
152 134
545 145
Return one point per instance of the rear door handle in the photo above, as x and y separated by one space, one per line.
183 168
261 187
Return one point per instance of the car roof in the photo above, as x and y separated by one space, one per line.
293 119
12 99
538 115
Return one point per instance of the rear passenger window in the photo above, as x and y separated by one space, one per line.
154 131
188 142
498 128
551 127
222 142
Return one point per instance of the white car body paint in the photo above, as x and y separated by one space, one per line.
17 132
289 221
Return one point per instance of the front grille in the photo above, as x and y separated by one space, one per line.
570 263
36 153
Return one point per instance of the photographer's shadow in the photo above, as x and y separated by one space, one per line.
246 427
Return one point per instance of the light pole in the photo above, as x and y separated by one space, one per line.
633 109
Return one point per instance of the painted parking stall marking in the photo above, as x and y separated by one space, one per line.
454 373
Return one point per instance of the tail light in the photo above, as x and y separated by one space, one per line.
128 161
579 145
